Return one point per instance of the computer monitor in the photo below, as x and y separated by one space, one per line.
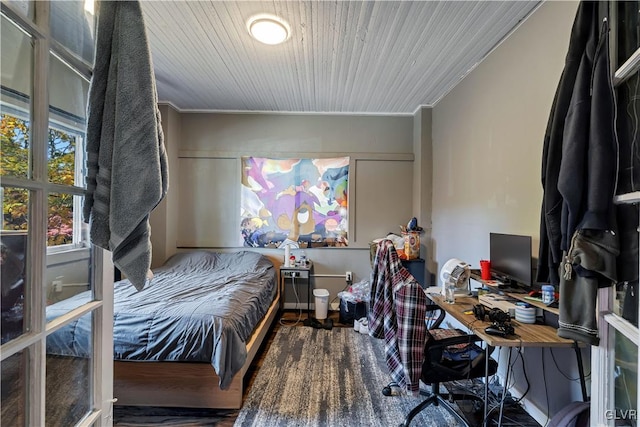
510 257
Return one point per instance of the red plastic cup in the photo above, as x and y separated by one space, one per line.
485 269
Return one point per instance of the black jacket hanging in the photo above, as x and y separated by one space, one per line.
550 253
579 172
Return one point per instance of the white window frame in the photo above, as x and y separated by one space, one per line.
77 240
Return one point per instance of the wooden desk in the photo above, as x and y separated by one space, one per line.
526 335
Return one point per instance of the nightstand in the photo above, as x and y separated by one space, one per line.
297 275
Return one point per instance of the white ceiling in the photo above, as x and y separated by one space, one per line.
373 57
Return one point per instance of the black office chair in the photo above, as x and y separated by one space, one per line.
450 355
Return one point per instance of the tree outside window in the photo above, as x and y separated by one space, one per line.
14 161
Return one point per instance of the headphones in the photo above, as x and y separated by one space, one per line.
495 314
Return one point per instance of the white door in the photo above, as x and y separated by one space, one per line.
614 384
614 363
51 275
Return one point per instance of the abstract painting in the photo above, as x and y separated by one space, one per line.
297 202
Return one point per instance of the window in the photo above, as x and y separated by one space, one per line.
65 228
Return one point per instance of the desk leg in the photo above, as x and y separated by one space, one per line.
583 383
487 355
504 389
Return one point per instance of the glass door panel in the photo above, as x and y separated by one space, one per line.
68 274
16 50
65 229
72 25
626 381
625 304
50 375
69 373
68 282
14 261
14 389
67 111
627 41
24 7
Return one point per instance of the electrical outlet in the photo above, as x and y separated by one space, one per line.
57 285
348 276
290 274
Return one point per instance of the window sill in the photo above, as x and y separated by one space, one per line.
72 255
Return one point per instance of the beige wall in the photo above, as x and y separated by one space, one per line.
487 139
423 185
206 189
487 146
291 133
165 216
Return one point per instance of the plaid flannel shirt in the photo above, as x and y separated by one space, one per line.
398 308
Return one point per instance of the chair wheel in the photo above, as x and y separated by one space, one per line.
386 391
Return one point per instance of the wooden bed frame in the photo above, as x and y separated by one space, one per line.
189 385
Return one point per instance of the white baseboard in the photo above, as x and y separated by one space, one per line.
298 306
303 306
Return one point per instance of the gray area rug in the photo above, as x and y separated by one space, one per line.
316 377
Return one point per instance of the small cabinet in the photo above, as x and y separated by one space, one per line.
417 269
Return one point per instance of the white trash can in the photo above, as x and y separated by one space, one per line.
322 303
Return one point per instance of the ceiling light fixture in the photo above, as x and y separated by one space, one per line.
268 29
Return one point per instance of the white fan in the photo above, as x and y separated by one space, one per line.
457 272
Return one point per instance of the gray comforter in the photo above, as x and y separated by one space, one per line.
200 306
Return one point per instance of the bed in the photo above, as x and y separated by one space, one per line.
188 337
